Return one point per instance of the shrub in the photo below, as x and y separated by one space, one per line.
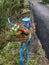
7 8
45 1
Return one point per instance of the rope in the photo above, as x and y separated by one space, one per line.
21 52
27 51
9 22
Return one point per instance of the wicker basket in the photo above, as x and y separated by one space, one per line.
19 38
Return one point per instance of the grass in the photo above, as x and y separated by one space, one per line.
10 55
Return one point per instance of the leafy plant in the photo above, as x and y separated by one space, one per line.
7 8
39 52
45 1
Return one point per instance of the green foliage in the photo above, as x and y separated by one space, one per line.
45 1
7 8
39 52
22 2
10 54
